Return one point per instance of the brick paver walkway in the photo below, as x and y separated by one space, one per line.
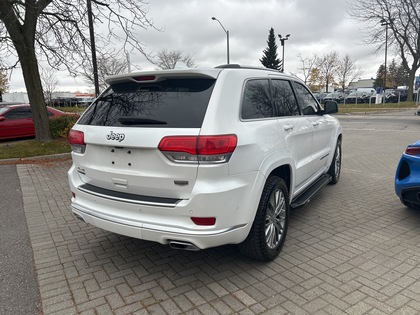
354 249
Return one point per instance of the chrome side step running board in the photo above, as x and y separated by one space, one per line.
306 196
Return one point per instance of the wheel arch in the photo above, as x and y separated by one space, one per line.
280 164
285 172
338 137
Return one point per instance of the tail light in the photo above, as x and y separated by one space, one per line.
76 139
204 149
412 150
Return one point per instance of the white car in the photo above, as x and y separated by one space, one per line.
199 158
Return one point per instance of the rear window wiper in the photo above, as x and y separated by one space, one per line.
130 121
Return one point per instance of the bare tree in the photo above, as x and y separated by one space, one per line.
49 83
307 65
167 59
4 82
327 66
108 64
400 20
57 31
347 71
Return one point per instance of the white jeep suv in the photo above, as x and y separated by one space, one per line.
199 158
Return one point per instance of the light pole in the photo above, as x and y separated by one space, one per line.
227 36
282 40
386 23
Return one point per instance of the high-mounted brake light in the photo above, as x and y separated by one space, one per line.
76 139
412 151
208 149
145 78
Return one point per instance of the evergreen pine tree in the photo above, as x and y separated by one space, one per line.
402 76
379 80
270 59
396 76
392 74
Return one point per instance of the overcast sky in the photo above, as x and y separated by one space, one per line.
316 26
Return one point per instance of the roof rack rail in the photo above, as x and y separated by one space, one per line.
237 66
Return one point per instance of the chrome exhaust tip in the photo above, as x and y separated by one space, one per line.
183 245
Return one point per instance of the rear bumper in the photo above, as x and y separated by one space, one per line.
407 179
411 195
163 234
233 203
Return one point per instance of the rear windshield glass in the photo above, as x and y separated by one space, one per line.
172 103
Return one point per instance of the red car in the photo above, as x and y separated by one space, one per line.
16 120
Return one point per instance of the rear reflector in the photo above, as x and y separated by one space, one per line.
204 221
412 150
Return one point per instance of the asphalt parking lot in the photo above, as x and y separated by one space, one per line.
354 249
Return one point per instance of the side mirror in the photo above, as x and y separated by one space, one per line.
330 107
2 118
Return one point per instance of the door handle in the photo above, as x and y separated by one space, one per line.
315 123
288 127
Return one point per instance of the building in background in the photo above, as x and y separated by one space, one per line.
361 83
58 99
18 97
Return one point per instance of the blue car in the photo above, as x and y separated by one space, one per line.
407 178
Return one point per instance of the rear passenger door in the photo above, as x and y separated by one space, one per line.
297 129
322 128
273 100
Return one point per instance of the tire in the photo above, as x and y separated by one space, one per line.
335 168
268 232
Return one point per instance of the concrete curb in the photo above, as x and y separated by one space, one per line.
35 159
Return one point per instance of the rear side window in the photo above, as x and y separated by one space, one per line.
172 103
265 98
19 113
257 102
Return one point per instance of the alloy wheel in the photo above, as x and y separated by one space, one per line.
275 219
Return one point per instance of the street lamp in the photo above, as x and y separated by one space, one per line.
282 40
227 36
385 23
